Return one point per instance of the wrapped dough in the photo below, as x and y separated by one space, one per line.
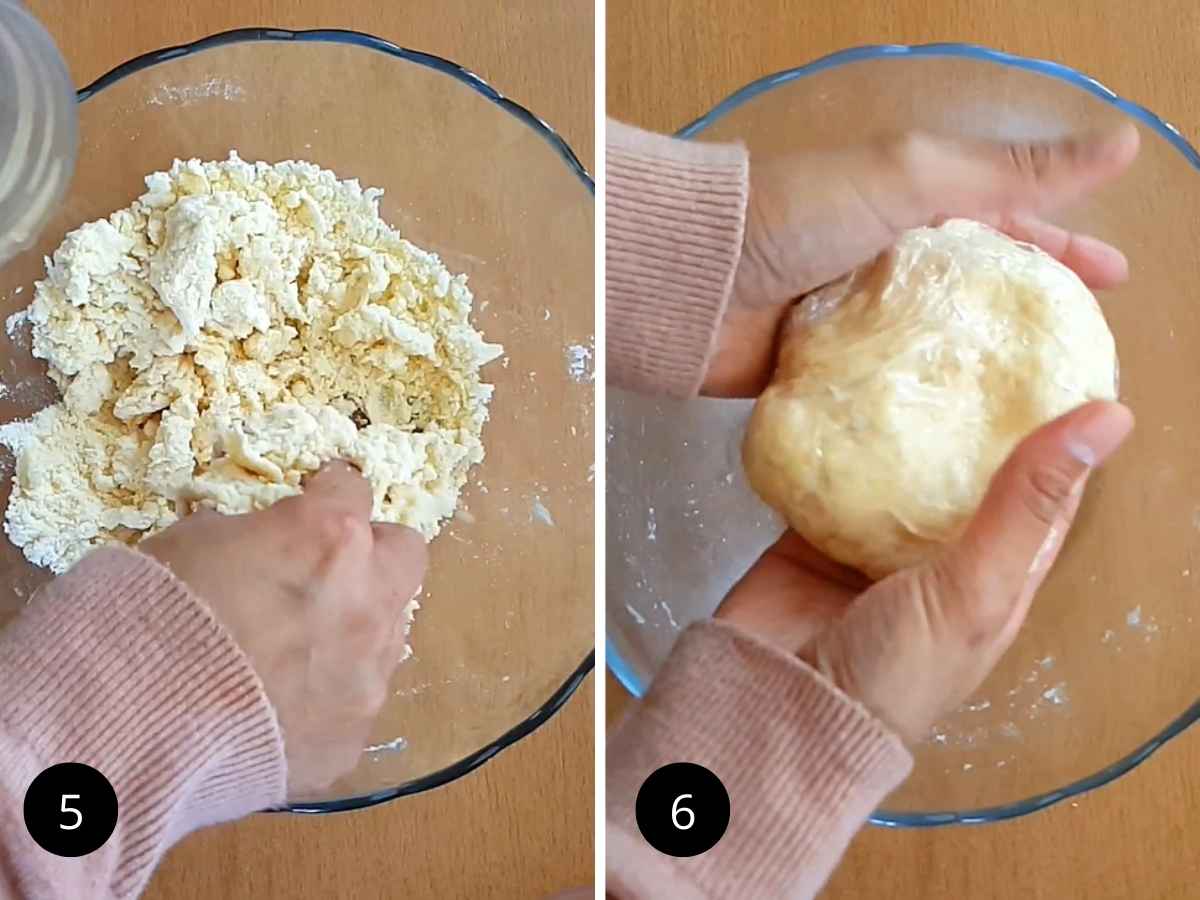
901 388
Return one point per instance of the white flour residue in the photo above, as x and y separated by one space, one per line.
1141 623
1136 621
670 615
637 616
391 746
1057 694
14 326
407 616
187 94
1027 700
540 513
947 735
579 363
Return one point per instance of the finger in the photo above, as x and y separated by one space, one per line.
972 178
1099 265
1014 537
339 485
794 548
399 561
784 599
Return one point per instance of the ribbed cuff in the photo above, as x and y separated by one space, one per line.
118 665
675 214
803 764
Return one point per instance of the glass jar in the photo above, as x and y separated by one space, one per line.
38 130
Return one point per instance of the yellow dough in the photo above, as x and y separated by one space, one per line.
901 388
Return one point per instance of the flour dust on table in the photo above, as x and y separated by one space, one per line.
235 327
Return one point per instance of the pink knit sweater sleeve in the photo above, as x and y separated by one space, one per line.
803 764
118 665
673 233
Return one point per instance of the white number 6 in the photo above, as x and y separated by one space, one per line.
676 810
71 809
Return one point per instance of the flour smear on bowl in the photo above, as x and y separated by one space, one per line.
236 326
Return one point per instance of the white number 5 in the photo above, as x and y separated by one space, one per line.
71 809
677 811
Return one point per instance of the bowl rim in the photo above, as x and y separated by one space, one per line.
540 127
624 671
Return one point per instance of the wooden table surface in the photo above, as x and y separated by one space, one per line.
671 60
521 826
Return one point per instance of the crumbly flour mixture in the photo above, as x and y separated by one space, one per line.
236 326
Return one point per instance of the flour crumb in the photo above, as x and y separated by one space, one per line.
579 363
392 746
539 512
14 323
1057 694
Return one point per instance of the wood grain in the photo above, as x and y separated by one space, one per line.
670 61
522 825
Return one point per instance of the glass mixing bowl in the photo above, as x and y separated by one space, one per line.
505 631
1106 668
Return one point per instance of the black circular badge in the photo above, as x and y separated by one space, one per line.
70 810
682 809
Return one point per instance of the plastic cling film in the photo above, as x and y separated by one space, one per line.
38 128
901 388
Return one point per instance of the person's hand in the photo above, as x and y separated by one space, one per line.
814 216
915 645
313 593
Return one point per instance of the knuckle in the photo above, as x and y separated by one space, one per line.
909 152
1031 160
336 529
1045 493
937 588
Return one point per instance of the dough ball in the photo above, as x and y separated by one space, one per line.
901 388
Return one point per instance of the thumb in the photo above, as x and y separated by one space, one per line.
983 179
1008 547
918 643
